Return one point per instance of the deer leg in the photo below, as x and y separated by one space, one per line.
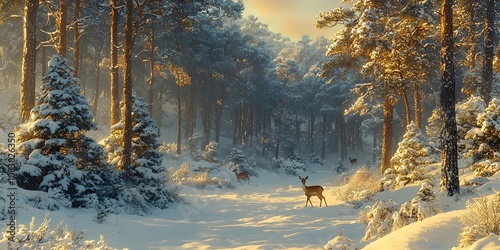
320 201
325 201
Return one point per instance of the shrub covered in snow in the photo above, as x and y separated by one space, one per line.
378 219
185 176
422 206
481 219
412 156
53 151
45 238
289 166
361 185
238 160
210 154
341 242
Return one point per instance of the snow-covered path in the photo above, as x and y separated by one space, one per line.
266 214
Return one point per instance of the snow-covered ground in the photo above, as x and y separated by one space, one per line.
269 213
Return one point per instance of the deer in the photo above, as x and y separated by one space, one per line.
242 176
353 161
312 191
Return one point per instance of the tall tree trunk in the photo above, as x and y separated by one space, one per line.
312 121
407 107
76 38
179 118
191 111
97 80
115 96
219 110
342 137
488 51
27 98
449 170
151 68
127 91
417 99
323 137
63 20
387 132
206 113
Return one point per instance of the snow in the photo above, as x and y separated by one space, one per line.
269 213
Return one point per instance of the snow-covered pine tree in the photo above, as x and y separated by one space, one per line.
147 175
413 154
53 151
486 135
467 113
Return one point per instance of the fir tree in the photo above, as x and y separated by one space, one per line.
54 152
486 134
413 154
147 175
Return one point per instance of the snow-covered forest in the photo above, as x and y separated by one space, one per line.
179 124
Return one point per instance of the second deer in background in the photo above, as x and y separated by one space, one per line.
242 176
353 161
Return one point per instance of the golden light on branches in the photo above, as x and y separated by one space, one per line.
181 77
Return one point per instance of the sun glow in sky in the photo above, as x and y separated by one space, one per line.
291 18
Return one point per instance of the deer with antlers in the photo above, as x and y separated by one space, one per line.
312 191
242 176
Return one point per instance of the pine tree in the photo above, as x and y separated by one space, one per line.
147 175
54 152
486 134
413 154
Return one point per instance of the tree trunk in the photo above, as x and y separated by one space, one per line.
342 137
151 68
179 119
97 81
76 38
63 20
407 108
115 96
312 121
417 99
323 137
191 111
488 51
449 170
387 131
127 91
27 98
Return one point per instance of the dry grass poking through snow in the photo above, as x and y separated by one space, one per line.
361 185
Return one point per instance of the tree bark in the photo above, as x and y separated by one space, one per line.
407 108
387 132
27 98
488 51
76 38
179 119
151 67
417 99
127 91
63 20
449 170
97 81
115 98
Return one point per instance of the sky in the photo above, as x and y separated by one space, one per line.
291 18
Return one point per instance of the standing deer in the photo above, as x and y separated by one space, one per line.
312 191
242 176
353 161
